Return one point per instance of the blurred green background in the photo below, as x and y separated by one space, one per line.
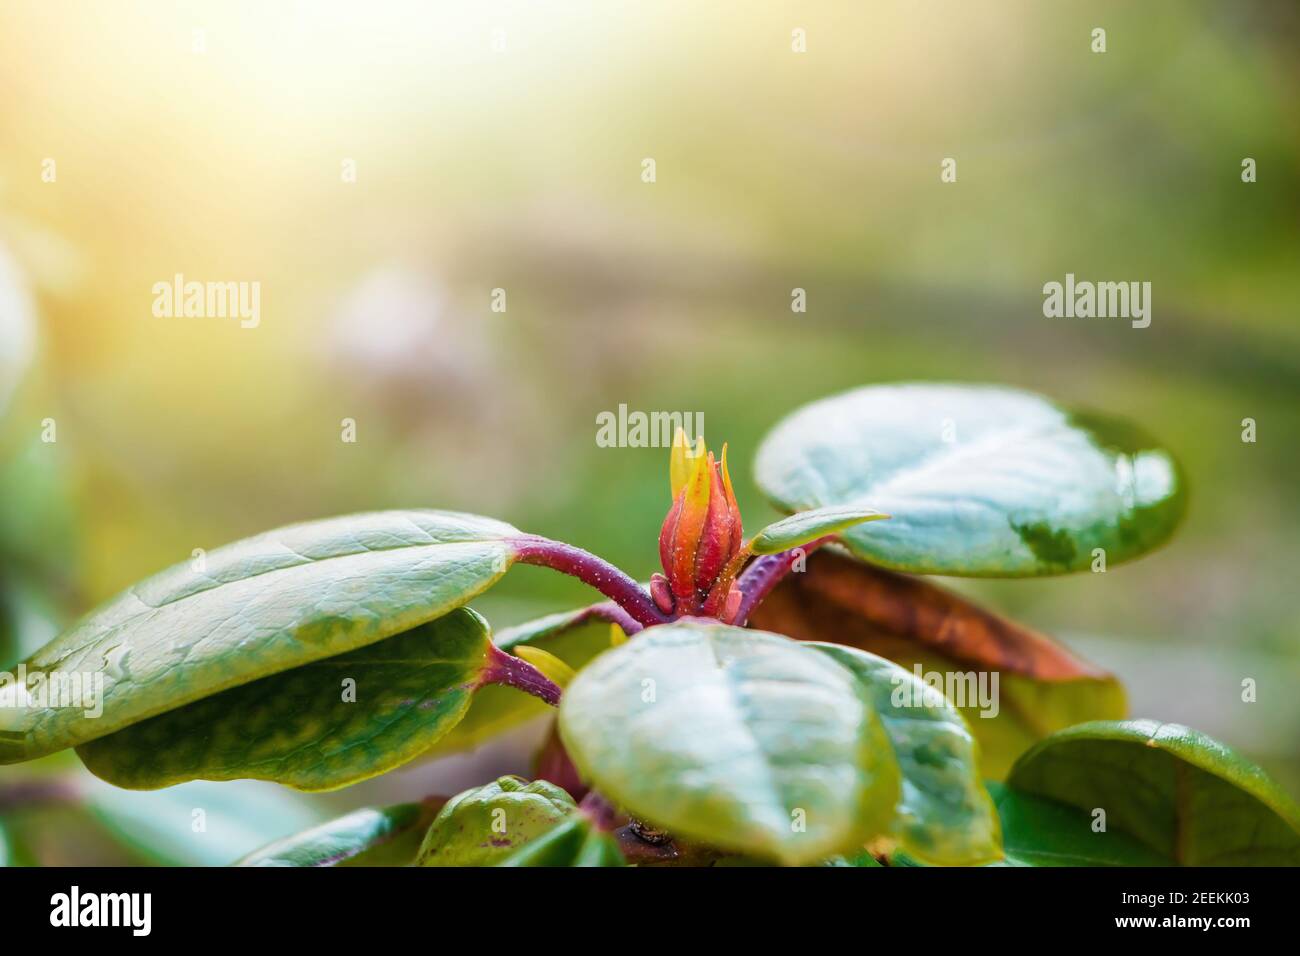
501 146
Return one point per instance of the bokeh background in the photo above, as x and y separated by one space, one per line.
501 146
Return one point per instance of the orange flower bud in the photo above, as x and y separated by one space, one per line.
702 532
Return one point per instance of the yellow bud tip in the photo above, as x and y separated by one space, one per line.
684 462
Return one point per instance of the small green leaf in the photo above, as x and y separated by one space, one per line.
321 726
573 842
385 836
483 826
736 738
944 814
270 603
1176 791
980 480
809 526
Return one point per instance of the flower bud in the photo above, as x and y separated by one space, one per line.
702 532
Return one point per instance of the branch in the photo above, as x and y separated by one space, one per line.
515 672
589 569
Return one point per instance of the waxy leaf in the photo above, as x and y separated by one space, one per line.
320 726
1039 832
944 815
980 480
808 526
483 826
384 836
735 738
264 605
1040 686
574 842
1174 790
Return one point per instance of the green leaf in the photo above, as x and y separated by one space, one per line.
980 480
736 738
574 842
260 606
861 860
544 631
575 637
1038 832
384 836
809 526
944 815
307 727
1040 686
483 826
1176 791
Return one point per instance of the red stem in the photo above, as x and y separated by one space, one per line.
515 672
589 569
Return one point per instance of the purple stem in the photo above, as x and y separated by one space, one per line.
609 611
514 672
764 574
597 572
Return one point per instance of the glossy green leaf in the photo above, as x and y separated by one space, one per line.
483 826
320 726
384 836
1017 686
736 738
980 480
1039 832
944 815
1176 791
575 637
573 842
270 603
808 526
